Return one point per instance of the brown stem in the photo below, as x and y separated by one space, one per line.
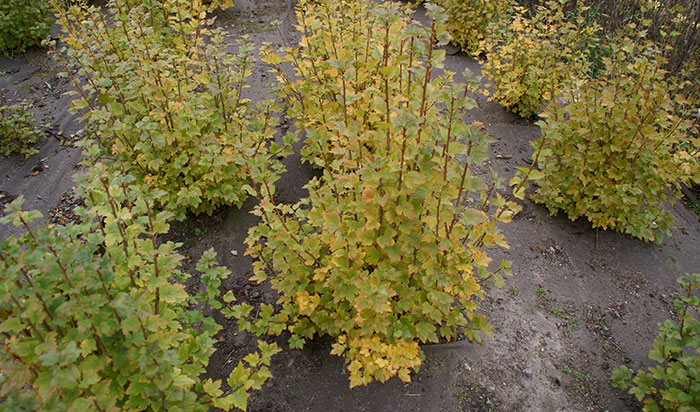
386 87
403 156
125 245
153 235
461 184
426 80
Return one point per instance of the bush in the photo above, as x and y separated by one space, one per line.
17 131
388 250
529 60
24 23
218 4
165 99
673 384
618 143
183 5
674 23
468 20
329 98
94 315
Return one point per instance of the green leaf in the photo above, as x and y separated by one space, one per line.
12 325
172 293
296 342
472 217
49 358
79 104
240 399
238 376
536 175
87 347
229 297
212 388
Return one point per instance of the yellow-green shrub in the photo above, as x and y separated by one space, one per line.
468 21
94 315
189 6
673 383
23 23
528 61
617 146
218 4
164 97
337 72
389 250
18 133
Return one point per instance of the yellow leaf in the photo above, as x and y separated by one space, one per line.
368 193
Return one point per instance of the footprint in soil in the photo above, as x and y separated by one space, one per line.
38 168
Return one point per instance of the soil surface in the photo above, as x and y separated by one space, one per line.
580 303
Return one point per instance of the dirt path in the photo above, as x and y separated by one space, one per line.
45 177
579 304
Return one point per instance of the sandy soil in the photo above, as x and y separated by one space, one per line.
580 303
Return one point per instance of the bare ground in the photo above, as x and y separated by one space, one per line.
580 303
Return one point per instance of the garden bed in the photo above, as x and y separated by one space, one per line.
581 301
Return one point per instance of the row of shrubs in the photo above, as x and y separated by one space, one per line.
388 251
23 24
27 23
619 129
555 53
674 23
94 315
618 114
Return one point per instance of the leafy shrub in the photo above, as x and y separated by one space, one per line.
616 146
674 23
183 5
94 315
165 98
388 250
24 23
468 20
335 75
674 383
530 59
218 4
17 131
